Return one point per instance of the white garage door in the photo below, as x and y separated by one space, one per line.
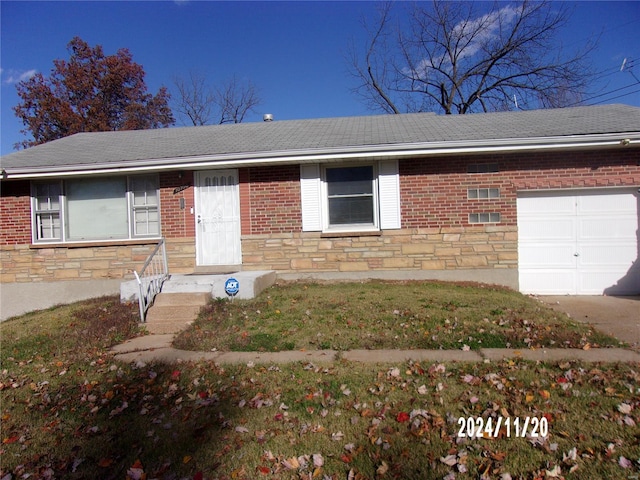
579 242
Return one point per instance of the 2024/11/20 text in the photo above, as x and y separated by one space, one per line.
507 427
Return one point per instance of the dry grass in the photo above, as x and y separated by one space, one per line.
377 315
69 410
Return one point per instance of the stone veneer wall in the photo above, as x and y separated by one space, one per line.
488 247
24 263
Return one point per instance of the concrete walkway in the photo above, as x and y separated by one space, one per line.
157 348
615 316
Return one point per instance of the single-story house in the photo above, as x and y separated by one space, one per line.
543 201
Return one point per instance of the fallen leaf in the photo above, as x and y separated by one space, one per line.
382 469
450 460
624 408
105 462
555 472
291 463
624 462
402 417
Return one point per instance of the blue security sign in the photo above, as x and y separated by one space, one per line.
232 287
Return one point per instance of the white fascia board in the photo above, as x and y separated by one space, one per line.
623 140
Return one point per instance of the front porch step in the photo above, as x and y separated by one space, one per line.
169 299
183 296
173 312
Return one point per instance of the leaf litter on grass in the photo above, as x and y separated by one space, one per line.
70 411
379 315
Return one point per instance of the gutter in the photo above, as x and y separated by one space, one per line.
397 151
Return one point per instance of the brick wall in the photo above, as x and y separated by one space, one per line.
435 235
271 197
23 262
433 192
15 213
176 217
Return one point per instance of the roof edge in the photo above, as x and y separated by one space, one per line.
245 159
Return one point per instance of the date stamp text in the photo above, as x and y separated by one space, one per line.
478 427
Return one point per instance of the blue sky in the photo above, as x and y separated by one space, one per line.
293 51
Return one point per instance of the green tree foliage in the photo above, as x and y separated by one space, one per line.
90 92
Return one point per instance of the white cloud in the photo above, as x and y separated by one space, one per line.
14 76
473 35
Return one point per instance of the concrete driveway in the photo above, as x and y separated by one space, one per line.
615 316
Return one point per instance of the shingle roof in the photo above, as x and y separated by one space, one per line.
318 135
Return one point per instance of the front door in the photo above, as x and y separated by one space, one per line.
217 202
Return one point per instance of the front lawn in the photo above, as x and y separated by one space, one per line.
380 315
70 410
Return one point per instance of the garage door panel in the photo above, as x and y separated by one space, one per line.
590 283
579 242
606 203
548 282
616 256
540 256
549 230
560 205
608 228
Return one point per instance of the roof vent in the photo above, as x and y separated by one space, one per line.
267 117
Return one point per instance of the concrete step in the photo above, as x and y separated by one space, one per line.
163 328
178 299
159 313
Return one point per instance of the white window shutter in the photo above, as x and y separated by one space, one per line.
311 197
389 194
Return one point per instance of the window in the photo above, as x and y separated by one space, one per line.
485 217
146 218
350 196
105 208
46 206
483 193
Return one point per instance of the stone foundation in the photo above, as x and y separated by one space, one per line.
29 263
487 247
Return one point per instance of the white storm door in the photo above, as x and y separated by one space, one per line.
217 202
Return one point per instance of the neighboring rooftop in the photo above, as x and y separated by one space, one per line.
175 146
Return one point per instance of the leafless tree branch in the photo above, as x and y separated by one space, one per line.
203 104
456 59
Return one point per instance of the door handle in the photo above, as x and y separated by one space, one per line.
576 254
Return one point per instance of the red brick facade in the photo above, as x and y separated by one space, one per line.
434 202
15 213
270 200
176 204
433 192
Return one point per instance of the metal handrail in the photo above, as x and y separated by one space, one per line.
151 277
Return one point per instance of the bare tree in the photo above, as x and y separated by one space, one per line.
454 59
235 98
195 99
203 104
